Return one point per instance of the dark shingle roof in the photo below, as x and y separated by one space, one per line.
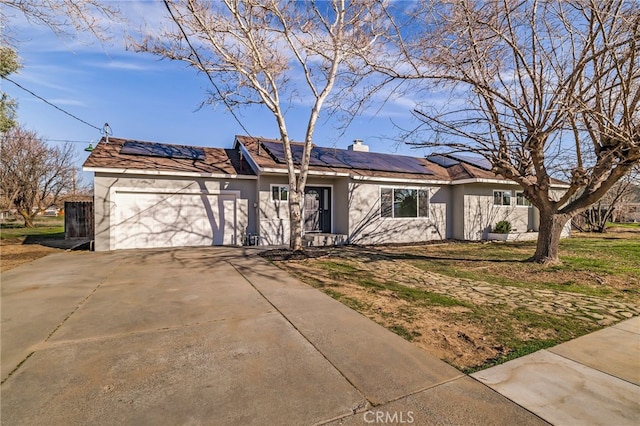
219 161
216 160
264 160
456 172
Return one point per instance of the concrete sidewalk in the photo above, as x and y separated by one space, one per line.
592 380
220 336
211 336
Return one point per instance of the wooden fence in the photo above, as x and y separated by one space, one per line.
78 219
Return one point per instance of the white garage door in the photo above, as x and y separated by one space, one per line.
147 220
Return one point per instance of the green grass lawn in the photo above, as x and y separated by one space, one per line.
14 232
623 225
599 265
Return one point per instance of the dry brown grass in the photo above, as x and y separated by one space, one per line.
14 255
388 285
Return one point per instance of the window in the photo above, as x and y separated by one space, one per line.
279 192
404 203
501 198
521 200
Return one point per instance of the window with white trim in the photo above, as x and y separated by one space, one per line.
404 202
501 198
521 200
280 192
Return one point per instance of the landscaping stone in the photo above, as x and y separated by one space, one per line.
587 308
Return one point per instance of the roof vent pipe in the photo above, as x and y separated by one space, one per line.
106 131
358 146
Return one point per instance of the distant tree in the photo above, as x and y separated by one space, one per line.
32 174
530 82
597 216
8 65
273 53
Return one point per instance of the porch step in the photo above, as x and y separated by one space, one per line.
513 236
323 240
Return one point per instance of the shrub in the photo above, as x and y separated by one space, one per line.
502 227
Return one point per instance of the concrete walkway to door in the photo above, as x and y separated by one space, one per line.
211 336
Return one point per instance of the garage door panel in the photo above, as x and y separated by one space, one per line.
146 220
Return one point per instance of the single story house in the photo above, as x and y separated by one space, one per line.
149 194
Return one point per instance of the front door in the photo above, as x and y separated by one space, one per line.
317 209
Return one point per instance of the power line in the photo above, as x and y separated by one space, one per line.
55 106
50 140
195 53
65 141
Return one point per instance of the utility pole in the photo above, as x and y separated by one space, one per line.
73 171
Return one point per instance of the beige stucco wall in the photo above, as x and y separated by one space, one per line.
273 216
478 214
456 225
105 185
456 211
366 226
355 213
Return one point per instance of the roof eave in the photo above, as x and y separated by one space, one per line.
400 180
482 180
273 170
500 181
166 173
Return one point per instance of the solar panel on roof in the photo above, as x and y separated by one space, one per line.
442 160
481 162
327 157
330 157
153 149
277 152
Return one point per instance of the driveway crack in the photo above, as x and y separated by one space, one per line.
82 302
365 401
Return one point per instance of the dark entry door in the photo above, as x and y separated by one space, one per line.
317 209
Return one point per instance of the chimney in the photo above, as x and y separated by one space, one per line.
358 146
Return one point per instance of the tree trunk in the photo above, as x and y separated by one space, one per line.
551 225
28 219
295 221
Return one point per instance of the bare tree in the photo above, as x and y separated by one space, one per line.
596 217
65 16
530 82
272 53
33 175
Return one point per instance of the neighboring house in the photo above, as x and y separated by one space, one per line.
159 195
628 212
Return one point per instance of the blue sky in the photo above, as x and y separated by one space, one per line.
144 98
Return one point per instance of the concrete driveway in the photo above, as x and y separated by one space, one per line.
212 336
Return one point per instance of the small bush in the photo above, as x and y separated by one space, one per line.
502 227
